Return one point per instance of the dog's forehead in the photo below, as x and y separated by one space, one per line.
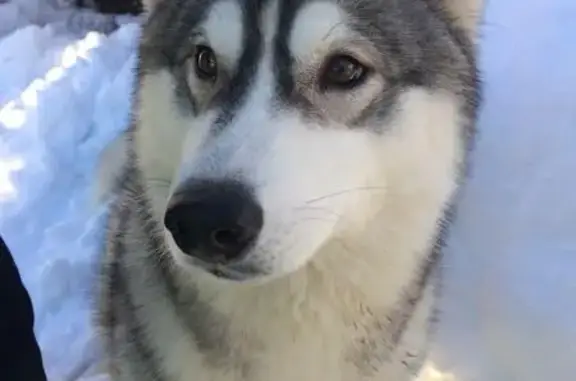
232 24
303 24
397 28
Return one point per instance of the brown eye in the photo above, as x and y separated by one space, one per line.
206 64
342 72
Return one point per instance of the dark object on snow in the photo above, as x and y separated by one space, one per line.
20 357
114 6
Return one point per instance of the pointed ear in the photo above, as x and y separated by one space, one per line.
466 13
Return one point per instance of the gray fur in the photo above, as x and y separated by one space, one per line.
131 227
418 45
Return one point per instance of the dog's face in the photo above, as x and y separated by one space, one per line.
269 128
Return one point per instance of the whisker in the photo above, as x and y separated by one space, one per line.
305 208
343 192
313 219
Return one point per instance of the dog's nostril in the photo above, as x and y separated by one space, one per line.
227 238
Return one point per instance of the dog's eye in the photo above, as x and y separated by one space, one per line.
342 72
205 63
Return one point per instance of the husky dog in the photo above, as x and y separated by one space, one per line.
287 184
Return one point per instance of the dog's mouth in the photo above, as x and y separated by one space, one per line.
237 272
227 274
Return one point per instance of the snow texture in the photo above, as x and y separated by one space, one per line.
510 296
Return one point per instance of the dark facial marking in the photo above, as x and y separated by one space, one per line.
230 98
414 43
283 60
120 318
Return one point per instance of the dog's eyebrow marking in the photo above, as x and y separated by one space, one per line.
316 25
224 29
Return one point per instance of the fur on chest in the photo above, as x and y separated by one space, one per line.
283 352
236 337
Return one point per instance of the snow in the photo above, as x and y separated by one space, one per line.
64 99
510 296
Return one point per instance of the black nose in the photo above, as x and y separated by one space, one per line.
214 220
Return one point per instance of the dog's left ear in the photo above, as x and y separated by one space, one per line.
466 13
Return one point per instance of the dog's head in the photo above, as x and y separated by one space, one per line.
268 128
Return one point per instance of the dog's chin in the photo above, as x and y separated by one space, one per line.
237 273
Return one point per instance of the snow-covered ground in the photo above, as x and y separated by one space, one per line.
510 303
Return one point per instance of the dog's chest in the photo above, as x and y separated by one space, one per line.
295 362
311 355
249 344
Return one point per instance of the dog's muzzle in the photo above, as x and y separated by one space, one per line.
215 222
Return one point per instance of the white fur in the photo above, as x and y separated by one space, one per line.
317 27
349 213
224 30
156 102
